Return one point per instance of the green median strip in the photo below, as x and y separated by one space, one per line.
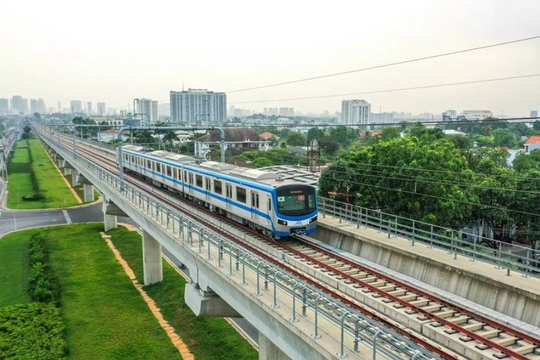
34 181
207 338
104 316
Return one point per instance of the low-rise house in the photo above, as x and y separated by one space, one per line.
244 139
533 143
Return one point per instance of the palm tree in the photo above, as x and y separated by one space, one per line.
170 136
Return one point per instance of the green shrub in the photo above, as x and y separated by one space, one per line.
43 285
32 331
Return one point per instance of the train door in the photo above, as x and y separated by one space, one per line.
268 209
254 206
228 195
207 189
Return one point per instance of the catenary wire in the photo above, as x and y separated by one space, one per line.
441 198
393 90
388 64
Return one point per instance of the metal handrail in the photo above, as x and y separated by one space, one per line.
520 258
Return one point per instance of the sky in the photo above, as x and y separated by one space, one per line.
114 51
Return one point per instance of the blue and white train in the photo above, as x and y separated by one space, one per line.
260 199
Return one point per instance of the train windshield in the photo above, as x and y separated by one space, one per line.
296 200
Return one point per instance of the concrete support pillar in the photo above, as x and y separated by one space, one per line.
207 303
109 222
269 351
74 177
61 163
152 263
67 171
88 192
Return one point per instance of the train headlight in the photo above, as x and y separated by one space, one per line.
313 219
282 222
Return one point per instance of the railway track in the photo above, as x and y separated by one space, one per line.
425 313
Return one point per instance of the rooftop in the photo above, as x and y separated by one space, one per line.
533 140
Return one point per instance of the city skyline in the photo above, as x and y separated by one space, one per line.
103 64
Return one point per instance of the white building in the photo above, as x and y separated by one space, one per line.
477 114
89 110
198 106
37 106
533 143
244 139
355 112
19 105
4 106
76 106
101 109
149 109
385 117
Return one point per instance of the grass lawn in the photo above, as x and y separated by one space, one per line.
51 184
80 190
206 337
13 270
104 315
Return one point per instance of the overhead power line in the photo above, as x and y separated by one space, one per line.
441 198
393 90
387 65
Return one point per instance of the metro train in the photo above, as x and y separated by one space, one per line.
259 199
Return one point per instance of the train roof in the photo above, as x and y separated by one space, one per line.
273 176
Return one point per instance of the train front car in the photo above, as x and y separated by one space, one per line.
296 210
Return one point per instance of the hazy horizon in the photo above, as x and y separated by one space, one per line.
114 52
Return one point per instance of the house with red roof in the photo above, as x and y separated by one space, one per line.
532 143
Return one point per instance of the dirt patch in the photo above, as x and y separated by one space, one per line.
175 339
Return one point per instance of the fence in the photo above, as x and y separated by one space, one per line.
520 258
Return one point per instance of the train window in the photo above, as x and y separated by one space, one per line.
241 194
158 167
208 184
148 165
257 201
169 171
185 176
217 187
269 204
228 189
198 178
191 178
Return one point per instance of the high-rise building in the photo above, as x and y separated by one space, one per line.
89 110
101 108
355 112
477 114
286 111
19 105
4 106
76 106
147 109
534 113
37 106
198 106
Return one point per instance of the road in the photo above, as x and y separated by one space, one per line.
19 220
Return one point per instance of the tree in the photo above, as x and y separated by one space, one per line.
37 115
460 141
315 133
329 145
296 139
504 138
536 125
170 136
144 137
389 133
262 162
525 162
408 176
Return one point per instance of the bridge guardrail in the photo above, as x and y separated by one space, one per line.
354 327
521 258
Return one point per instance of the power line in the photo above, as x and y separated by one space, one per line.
443 171
437 182
441 198
392 90
388 64
408 123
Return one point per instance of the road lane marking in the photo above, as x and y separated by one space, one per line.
66 215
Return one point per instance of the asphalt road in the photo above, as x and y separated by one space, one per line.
19 220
